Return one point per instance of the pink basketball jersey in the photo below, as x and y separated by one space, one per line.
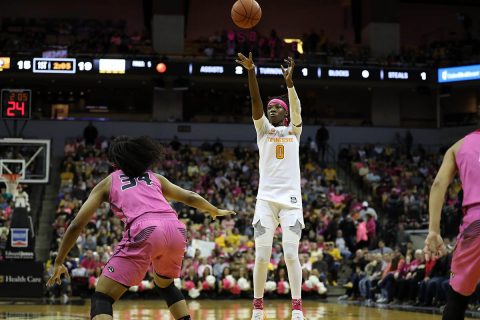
130 198
468 164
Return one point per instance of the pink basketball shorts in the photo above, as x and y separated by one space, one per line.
159 241
466 257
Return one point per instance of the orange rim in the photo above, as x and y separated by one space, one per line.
11 176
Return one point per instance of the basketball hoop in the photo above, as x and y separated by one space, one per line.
11 180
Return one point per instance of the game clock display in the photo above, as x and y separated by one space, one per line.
16 104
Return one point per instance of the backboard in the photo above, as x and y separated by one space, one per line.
28 157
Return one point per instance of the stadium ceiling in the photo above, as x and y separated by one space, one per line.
475 3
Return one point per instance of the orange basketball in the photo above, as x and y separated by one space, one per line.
246 13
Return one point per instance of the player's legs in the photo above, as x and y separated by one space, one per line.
126 267
456 306
107 292
291 220
167 264
265 222
465 267
173 297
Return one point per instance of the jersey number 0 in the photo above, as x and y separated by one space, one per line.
280 151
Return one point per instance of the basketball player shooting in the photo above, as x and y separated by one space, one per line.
153 234
279 199
461 157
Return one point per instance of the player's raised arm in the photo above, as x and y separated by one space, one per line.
293 100
257 104
434 244
173 192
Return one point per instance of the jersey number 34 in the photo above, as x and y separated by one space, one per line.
132 182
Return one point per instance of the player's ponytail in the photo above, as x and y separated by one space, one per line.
134 156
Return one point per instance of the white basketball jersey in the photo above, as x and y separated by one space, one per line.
279 163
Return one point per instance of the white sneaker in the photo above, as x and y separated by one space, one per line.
297 315
342 298
258 315
382 300
64 299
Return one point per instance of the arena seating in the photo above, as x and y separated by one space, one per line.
227 177
74 35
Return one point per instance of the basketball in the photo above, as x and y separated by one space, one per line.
246 13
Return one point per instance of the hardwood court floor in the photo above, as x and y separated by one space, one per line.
210 310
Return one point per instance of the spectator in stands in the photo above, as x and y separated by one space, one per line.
175 144
341 245
408 141
389 276
367 209
373 272
90 134
88 262
434 277
217 147
362 237
21 199
382 249
402 237
412 273
322 138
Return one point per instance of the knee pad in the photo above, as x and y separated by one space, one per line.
101 304
291 241
170 294
263 254
290 251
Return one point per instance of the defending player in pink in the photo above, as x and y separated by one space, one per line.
464 157
153 234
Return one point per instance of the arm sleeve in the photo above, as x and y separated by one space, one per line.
261 125
295 111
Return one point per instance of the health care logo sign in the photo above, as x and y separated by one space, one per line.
19 238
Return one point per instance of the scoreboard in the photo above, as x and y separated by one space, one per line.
16 104
73 66
54 65
151 66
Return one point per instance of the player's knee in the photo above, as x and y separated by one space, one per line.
261 258
101 304
290 251
170 294
263 254
163 283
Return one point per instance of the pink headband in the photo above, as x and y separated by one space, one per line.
278 101
283 105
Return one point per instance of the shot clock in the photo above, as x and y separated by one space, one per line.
16 104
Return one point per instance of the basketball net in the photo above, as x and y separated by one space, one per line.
11 180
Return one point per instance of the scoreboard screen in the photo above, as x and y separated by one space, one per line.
16 104
54 65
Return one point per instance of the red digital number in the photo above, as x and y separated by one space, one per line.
11 108
22 108
15 106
